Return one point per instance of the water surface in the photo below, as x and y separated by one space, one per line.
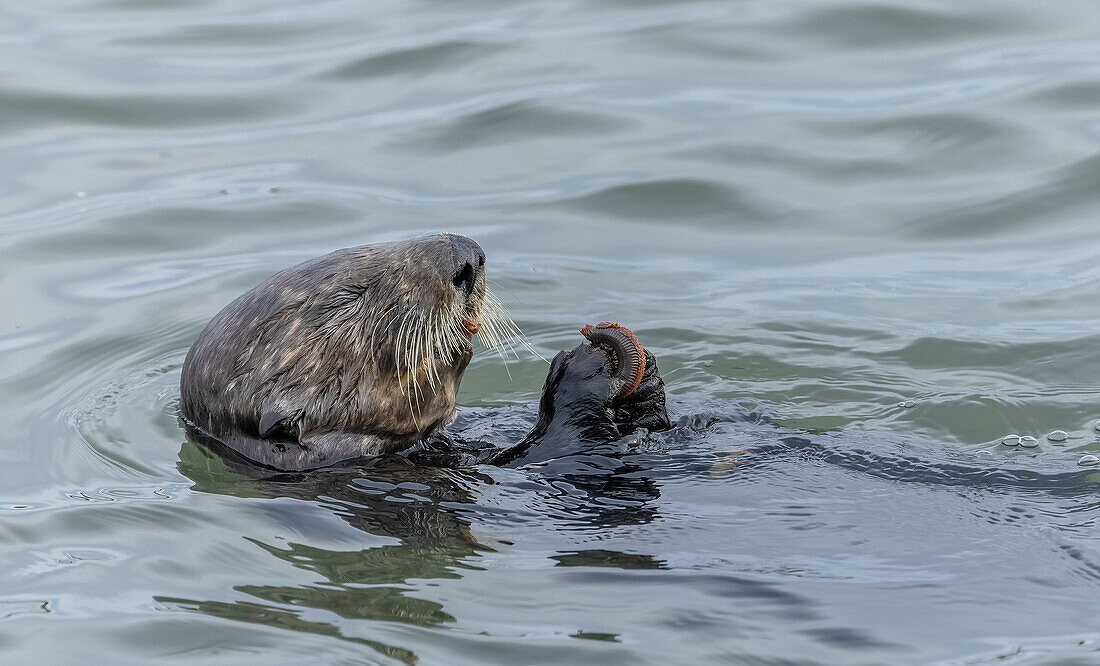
820 211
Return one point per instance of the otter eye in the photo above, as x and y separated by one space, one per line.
464 279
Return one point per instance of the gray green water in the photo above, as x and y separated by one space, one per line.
818 209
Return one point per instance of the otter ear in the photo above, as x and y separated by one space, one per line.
275 424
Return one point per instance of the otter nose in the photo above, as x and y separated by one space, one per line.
469 263
465 278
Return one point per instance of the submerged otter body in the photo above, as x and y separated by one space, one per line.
360 352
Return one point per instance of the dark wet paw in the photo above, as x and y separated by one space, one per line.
582 381
645 407
579 409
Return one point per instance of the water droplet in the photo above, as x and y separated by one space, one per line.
908 404
1058 436
81 194
1011 440
985 453
1028 442
1096 426
1089 460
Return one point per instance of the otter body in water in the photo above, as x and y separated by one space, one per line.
360 352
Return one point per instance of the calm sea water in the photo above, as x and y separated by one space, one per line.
822 211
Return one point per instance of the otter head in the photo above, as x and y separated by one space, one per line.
363 348
414 307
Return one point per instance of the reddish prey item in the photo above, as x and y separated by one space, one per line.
629 356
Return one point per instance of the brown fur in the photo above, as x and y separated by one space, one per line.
312 366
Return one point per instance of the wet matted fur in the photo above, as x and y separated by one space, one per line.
351 354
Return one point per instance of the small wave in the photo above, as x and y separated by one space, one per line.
681 199
858 26
417 60
511 122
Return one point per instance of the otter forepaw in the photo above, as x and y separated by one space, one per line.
645 406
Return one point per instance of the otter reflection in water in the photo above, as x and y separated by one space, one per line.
360 352
444 514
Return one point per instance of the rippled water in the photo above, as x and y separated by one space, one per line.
817 210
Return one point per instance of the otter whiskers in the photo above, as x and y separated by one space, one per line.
498 331
429 339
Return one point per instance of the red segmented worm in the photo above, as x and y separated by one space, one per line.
630 359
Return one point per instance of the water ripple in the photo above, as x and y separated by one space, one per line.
872 222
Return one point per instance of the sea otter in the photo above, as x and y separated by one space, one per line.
360 352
